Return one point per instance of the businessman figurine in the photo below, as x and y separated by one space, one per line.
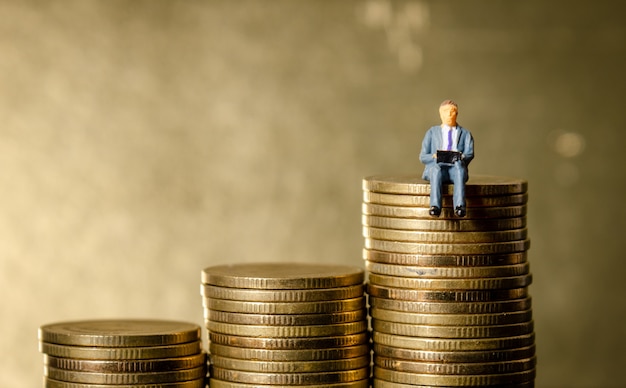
447 150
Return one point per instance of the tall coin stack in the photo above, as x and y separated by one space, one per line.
448 296
123 353
286 324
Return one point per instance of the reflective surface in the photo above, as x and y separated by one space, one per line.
141 141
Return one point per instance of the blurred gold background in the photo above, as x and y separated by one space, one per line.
143 140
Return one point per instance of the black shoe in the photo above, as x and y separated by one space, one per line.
460 211
434 211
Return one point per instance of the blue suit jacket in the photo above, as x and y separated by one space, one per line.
433 141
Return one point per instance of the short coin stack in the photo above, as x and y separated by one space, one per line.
286 324
448 296
123 353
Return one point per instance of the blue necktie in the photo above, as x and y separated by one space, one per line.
450 139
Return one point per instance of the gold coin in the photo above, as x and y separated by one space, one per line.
126 366
443 260
119 333
199 383
290 355
446 368
322 307
287 331
422 307
309 295
117 353
452 319
406 271
448 249
214 383
436 225
279 276
290 366
378 383
290 343
477 185
451 284
290 378
125 378
444 237
285 319
455 356
446 213
446 295
424 200
446 344
454 380
490 331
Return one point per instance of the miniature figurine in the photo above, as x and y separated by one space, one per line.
447 150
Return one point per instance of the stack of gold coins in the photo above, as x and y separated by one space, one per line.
123 353
286 324
448 295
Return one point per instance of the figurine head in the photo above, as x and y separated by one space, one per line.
448 110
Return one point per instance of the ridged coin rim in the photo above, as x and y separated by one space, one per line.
264 366
119 332
289 355
451 319
423 200
282 275
477 185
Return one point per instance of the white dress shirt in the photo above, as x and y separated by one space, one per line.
455 136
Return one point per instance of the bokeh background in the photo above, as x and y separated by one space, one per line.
143 140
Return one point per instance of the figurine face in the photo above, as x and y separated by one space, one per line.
448 115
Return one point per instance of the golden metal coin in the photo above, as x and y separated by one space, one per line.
322 307
419 260
444 237
199 383
446 295
504 318
290 378
446 213
287 331
436 225
447 368
448 249
490 331
424 200
124 378
446 344
119 333
477 185
290 343
127 366
309 295
290 355
378 383
279 276
118 353
454 380
214 383
407 271
285 319
425 307
455 356
451 284
290 366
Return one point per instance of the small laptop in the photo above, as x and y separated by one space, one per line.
448 157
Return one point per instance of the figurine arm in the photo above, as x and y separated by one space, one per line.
467 148
428 153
